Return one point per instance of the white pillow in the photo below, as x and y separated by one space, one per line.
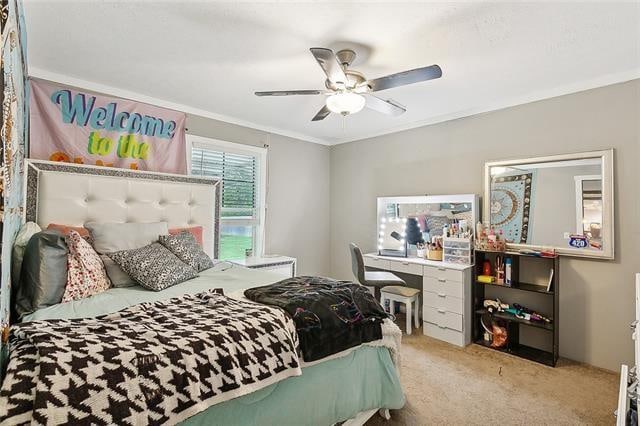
112 237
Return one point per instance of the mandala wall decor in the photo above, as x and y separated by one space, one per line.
511 205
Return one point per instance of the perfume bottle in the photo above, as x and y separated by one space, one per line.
486 268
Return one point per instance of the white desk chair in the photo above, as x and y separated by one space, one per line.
407 295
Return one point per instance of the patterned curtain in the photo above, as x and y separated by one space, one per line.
14 145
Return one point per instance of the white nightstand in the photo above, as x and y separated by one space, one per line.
281 265
446 294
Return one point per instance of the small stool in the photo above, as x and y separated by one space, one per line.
406 295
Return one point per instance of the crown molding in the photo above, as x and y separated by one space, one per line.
582 86
606 80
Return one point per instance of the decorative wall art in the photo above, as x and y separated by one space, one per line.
78 126
511 205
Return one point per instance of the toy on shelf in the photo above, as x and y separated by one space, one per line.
488 240
497 335
487 279
516 310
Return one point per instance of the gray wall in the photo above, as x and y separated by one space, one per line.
298 192
596 297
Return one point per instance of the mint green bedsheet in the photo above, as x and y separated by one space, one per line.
326 393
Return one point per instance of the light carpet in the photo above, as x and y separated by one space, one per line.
445 384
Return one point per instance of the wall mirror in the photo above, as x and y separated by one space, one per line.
405 221
561 201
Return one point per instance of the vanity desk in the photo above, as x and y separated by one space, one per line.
446 294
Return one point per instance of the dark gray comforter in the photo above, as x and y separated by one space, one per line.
330 316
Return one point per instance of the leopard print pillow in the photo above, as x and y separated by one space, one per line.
185 246
153 266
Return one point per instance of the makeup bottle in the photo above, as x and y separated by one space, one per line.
507 272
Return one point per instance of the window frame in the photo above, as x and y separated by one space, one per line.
260 153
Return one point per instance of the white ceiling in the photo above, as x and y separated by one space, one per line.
209 57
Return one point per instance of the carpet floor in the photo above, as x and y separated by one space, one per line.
445 384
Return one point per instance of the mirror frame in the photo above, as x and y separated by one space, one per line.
608 228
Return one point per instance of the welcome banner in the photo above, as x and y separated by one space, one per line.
79 126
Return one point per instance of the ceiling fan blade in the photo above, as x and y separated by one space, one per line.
388 106
322 114
289 92
406 77
329 64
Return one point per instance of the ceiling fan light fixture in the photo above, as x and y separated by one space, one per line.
345 103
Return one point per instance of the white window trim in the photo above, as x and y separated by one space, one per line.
238 148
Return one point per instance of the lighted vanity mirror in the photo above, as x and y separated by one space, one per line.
561 201
404 222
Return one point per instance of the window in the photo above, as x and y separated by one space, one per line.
242 170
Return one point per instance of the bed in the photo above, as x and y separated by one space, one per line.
349 386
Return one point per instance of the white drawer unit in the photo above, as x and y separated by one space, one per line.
446 294
375 262
443 301
443 333
405 267
442 273
443 286
442 318
458 250
447 304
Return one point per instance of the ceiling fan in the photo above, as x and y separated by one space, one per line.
348 91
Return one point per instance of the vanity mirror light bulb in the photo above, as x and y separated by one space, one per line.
383 220
381 233
382 226
380 240
402 241
379 247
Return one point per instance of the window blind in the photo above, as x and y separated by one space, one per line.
238 173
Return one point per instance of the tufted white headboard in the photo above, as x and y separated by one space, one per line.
71 194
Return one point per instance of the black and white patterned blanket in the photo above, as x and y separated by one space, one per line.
153 363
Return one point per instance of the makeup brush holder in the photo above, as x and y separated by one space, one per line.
434 254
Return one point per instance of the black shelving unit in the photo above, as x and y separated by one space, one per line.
513 323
